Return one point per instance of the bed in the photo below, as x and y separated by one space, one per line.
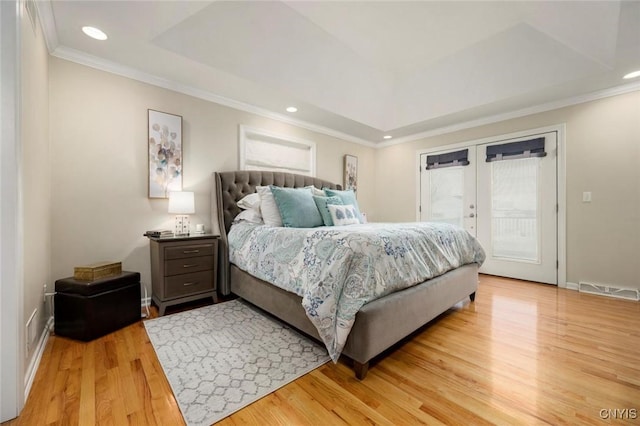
378 324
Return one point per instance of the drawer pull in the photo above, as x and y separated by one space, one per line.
189 266
188 284
190 251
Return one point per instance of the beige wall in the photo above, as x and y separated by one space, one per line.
602 156
36 173
99 163
98 127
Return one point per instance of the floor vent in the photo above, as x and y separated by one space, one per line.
608 290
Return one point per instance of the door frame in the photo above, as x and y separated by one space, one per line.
11 257
561 183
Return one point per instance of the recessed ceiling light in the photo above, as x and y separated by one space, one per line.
632 75
94 33
292 109
387 136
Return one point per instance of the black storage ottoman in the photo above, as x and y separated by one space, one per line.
85 310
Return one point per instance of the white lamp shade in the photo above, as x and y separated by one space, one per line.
181 202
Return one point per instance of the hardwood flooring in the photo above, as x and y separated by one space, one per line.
522 353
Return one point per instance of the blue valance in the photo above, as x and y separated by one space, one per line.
513 150
450 159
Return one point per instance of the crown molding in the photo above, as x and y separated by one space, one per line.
549 106
82 58
115 68
47 20
48 23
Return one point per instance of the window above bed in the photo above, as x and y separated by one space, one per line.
264 150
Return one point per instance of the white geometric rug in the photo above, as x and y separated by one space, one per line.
221 358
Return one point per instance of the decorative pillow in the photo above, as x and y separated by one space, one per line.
268 207
344 215
249 215
347 197
296 207
251 201
321 203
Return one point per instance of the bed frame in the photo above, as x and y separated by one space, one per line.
378 325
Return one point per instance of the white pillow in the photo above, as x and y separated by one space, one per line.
343 215
250 215
317 192
268 207
251 201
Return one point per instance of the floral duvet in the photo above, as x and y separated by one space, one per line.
337 269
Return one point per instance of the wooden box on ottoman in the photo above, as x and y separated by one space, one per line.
96 271
85 310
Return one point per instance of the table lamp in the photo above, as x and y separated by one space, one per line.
182 204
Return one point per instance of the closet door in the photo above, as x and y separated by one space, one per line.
517 207
448 188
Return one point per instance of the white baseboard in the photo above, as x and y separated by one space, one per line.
572 286
42 344
37 357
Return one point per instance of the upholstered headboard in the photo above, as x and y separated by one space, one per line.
230 187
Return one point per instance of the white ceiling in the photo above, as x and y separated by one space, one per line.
363 69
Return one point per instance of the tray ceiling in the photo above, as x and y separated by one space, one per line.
364 69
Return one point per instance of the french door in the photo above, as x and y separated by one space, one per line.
448 188
505 194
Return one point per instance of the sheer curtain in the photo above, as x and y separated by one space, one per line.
446 191
514 209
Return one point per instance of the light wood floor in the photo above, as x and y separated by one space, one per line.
522 353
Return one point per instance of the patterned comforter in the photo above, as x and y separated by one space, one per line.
338 269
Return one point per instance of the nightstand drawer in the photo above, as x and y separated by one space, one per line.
183 269
180 285
187 265
188 251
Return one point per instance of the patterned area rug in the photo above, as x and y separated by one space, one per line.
221 358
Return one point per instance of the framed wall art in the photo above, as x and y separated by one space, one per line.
351 173
165 154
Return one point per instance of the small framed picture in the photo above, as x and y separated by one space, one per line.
165 153
351 173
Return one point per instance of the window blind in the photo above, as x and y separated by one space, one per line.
263 150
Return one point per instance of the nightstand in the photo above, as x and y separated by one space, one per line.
183 269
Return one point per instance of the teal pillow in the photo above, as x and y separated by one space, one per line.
297 208
321 203
347 197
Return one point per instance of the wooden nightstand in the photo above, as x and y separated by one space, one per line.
183 269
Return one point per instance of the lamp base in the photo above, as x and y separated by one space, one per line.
182 225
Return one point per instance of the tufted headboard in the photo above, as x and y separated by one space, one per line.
228 188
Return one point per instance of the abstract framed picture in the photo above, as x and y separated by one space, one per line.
351 173
165 153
